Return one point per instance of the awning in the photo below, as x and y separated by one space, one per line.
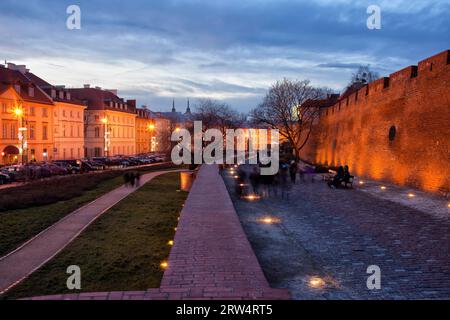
11 150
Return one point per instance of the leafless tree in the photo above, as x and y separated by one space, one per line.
215 114
283 108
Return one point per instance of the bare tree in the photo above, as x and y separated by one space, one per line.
284 108
215 114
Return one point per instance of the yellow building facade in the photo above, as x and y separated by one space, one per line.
26 127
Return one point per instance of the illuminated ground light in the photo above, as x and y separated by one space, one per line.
164 265
361 182
236 177
448 205
241 185
316 282
269 220
175 229
252 197
170 243
411 195
383 188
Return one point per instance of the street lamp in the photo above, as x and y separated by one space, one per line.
106 136
151 128
18 112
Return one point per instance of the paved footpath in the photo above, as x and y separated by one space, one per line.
211 257
29 257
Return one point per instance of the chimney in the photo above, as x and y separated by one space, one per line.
98 88
113 91
21 68
87 86
131 103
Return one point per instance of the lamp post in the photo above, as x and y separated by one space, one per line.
151 128
106 136
18 111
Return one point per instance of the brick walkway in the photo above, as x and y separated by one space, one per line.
211 257
23 261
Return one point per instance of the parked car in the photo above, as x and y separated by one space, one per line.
71 166
4 178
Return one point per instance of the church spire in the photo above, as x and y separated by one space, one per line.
188 108
173 106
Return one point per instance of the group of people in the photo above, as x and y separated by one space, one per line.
342 175
282 182
132 179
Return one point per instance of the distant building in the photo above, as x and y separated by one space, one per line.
109 122
145 130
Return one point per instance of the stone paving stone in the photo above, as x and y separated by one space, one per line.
339 233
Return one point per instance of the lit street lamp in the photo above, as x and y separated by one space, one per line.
106 136
18 112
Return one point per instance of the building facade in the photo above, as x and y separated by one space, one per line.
26 118
109 122
145 131
393 129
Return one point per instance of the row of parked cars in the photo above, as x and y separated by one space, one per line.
35 170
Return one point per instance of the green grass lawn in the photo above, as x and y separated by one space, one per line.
17 226
122 250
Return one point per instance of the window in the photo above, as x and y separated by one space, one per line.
13 131
71 131
71 113
31 91
44 132
32 111
61 95
97 152
17 88
53 93
68 96
97 118
32 133
44 112
4 130
392 133
64 113
97 132
4 108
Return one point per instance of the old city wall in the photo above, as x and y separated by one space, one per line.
359 130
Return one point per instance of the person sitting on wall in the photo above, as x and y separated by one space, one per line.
337 179
347 175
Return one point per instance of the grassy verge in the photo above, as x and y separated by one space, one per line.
122 250
17 226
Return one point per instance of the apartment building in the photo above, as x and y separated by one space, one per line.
26 119
109 122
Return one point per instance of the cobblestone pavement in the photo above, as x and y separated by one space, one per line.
336 234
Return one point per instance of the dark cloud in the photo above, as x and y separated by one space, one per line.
228 49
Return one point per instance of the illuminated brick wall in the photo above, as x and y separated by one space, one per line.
416 101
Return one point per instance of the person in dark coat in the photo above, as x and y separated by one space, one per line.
337 179
293 171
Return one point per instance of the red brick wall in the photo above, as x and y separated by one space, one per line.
416 100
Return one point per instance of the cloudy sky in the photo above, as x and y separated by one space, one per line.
224 49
